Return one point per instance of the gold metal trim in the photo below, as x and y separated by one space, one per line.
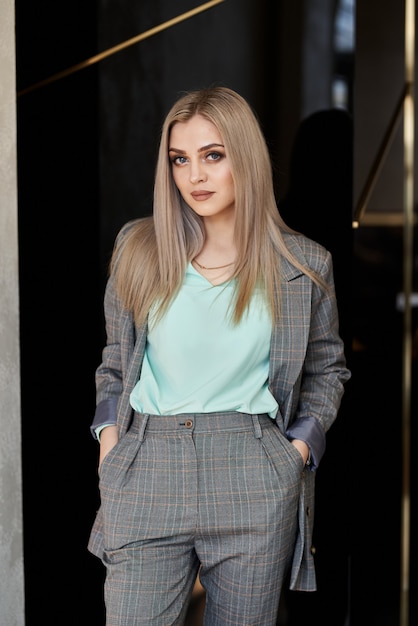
388 219
408 241
125 44
377 165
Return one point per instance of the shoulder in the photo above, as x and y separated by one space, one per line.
307 251
133 241
142 226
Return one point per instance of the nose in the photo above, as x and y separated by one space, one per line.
197 173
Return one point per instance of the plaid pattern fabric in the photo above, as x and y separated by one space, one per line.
220 489
307 376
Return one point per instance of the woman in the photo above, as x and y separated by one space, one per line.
222 372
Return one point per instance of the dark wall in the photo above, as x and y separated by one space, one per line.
226 44
59 241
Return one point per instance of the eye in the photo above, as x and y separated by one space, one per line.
178 160
214 156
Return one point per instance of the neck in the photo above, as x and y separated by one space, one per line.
218 239
219 248
220 227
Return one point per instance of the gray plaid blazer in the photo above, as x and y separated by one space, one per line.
307 375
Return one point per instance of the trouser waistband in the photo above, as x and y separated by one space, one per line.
201 423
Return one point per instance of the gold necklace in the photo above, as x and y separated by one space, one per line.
219 267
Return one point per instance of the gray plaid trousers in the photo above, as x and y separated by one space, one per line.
217 491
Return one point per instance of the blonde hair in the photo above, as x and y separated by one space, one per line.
150 260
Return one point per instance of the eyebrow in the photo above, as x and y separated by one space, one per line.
202 149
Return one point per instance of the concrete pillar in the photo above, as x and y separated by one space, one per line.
11 545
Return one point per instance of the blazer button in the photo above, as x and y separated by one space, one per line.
188 423
308 511
313 550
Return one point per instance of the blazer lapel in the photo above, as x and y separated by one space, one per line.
290 335
134 344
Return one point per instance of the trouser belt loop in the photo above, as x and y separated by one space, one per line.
257 428
145 418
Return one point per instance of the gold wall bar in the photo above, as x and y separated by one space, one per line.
379 160
125 44
408 240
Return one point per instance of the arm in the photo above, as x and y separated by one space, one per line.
324 372
303 449
109 373
108 439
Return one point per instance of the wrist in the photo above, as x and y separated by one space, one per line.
303 449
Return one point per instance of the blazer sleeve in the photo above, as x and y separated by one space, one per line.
109 374
324 371
120 337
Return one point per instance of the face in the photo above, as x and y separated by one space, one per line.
201 169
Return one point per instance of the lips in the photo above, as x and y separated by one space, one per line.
201 195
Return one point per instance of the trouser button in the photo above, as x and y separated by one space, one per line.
188 423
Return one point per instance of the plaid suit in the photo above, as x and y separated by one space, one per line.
306 377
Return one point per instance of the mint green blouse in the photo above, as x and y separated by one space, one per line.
198 361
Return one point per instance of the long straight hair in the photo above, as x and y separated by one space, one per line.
149 262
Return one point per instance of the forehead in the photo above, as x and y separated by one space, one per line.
197 131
